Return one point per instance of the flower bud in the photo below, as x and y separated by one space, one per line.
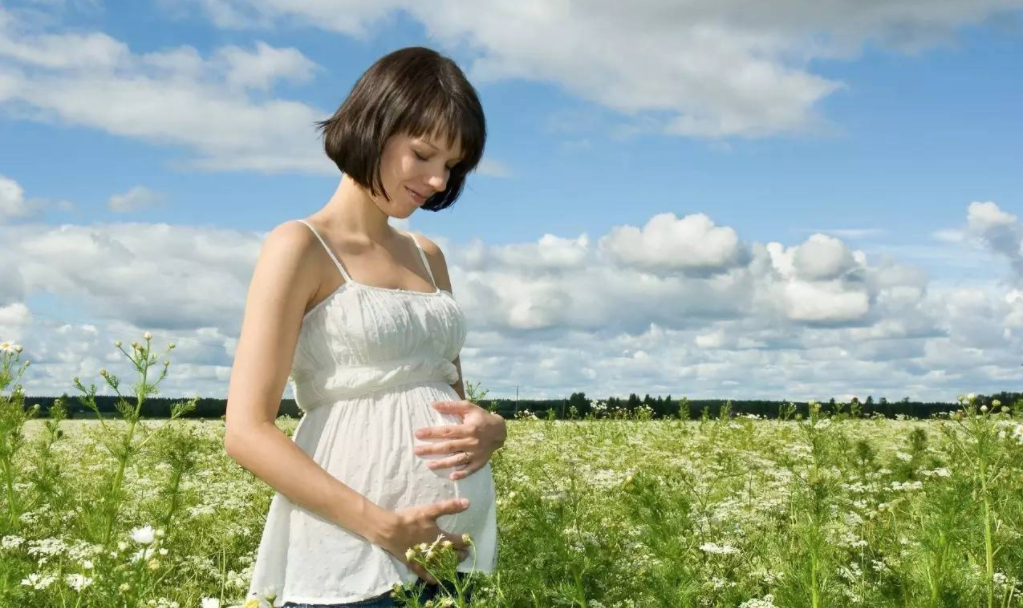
148 335
118 344
17 348
103 372
171 346
411 553
996 403
983 408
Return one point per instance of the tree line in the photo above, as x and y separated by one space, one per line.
579 406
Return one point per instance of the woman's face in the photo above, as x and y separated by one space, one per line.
413 169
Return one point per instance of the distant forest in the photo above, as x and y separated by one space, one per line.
578 406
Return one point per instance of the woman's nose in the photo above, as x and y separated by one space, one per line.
439 181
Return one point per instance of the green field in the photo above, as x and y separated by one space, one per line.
722 512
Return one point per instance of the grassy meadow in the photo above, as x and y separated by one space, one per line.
821 511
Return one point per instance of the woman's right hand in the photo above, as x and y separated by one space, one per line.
414 525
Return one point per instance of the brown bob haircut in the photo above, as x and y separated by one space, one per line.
415 91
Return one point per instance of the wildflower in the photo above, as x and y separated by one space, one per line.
210 602
148 335
718 549
996 403
143 536
6 347
118 344
17 348
77 581
983 409
87 565
411 553
37 581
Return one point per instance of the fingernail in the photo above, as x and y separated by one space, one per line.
419 434
464 502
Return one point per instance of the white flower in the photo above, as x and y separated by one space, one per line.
148 335
6 347
718 549
77 581
143 536
38 582
210 602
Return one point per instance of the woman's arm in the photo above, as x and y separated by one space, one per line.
283 282
481 433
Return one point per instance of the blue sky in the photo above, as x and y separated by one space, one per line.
879 134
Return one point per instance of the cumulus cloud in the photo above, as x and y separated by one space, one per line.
12 199
137 198
703 69
999 230
822 257
173 96
666 243
552 315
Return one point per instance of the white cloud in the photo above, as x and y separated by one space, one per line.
12 199
999 230
493 168
171 97
137 198
691 244
699 68
553 315
822 257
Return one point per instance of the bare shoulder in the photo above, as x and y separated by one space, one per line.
438 264
287 255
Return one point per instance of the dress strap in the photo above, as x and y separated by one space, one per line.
422 256
337 263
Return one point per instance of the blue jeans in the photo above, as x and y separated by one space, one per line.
429 592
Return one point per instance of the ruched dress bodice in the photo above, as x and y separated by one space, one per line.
368 364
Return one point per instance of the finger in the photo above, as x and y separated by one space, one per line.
458 460
447 507
445 431
422 573
454 407
474 466
445 447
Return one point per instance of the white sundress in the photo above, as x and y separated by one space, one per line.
368 364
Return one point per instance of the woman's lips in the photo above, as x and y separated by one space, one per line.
415 196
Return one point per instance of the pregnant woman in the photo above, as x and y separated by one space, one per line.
360 318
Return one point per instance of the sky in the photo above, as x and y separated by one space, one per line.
730 199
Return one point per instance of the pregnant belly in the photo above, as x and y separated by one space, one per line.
368 443
428 485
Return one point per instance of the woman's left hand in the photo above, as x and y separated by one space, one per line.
470 443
